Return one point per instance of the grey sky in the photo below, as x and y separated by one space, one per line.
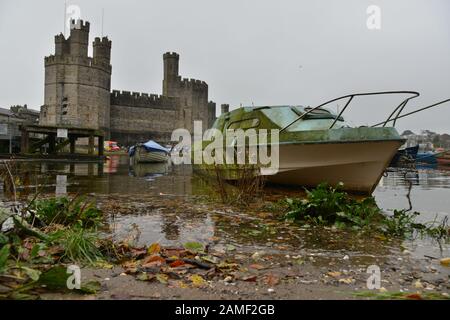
249 51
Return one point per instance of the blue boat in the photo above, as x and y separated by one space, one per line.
405 154
427 157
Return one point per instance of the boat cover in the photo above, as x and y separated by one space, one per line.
150 146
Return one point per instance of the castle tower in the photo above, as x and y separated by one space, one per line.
77 87
171 77
192 94
102 50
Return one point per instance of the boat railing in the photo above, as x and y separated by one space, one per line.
392 117
412 112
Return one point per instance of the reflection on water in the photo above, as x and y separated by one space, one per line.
430 192
163 202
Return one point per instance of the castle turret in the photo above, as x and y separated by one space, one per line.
171 61
102 49
79 38
61 45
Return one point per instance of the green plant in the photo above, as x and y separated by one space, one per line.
4 254
79 245
401 223
68 212
328 205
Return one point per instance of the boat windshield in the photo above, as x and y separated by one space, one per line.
320 119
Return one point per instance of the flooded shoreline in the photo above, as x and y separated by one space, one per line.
171 205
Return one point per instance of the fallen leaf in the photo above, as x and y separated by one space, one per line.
347 280
153 259
249 278
138 253
197 280
174 253
271 280
180 284
445 262
154 248
256 266
334 274
145 277
414 296
210 259
225 265
163 278
177 263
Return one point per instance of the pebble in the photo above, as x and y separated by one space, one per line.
346 257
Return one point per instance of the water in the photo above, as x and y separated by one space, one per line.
171 205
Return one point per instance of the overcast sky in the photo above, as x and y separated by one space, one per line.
249 51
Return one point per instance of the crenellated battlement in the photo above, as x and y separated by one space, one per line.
169 55
104 41
193 84
138 99
60 38
79 25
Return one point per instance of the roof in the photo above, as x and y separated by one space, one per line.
6 112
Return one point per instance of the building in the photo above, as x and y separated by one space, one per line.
78 94
10 121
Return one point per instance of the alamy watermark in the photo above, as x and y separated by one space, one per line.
233 146
373 21
73 15
74 280
374 280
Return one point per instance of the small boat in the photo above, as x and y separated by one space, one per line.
148 152
408 154
315 146
426 157
442 157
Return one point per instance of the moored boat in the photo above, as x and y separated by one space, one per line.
408 154
443 156
426 157
315 145
148 152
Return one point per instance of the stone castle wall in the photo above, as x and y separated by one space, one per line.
138 117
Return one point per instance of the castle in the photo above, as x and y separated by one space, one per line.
78 94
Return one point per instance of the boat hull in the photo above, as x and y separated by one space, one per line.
359 165
143 156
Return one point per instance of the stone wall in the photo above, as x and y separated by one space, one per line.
138 117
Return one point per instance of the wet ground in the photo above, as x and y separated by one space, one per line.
171 205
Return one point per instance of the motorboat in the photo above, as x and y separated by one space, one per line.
315 145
